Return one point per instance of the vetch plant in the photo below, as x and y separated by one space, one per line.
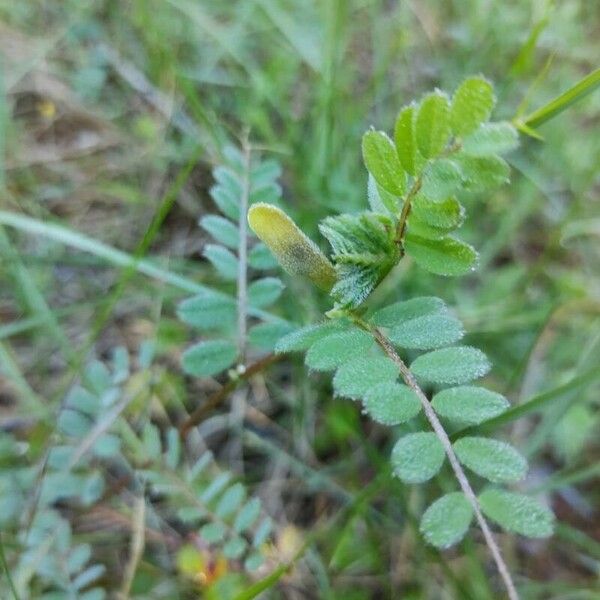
442 148
223 320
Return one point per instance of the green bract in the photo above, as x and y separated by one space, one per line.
446 521
382 161
427 332
364 251
358 376
209 358
451 365
334 350
391 403
517 512
469 405
417 457
472 105
496 461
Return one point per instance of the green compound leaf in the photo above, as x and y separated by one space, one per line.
380 201
264 292
253 562
446 256
230 501
496 461
452 366
398 313
266 335
447 520
334 350
516 512
404 137
364 252
227 200
442 179
469 405
417 457
222 260
209 358
427 332
212 533
382 162
490 139
472 104
270 194
260 257
446 214
247 515
234 548
223 230
433 124
216 486
481 174
208 311
262 532
419 228
265 173
227 177
355 378
391 403
302 339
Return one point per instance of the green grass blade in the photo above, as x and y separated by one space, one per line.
31 295
536 404
579 539
263 584
111 255
10 369
579 91
568 476
6 570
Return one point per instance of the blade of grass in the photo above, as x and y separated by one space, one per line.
109 254
567 477
302 40
11 370
578 538
6 570
576 93
534 405
24 325
164 208
31 295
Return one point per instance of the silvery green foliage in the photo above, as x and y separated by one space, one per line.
34 498
204 498
443 148
365 374
37 500
213 313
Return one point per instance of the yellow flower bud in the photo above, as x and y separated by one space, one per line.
296 253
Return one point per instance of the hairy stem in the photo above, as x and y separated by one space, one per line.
242 276
404 214
414 190
439 430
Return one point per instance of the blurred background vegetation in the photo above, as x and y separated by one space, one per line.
113 114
